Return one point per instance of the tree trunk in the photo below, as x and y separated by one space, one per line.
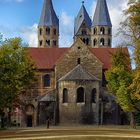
132 121
2 119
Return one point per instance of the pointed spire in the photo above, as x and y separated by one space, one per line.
48 15
81 17
101 16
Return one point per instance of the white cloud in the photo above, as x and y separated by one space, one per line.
30 35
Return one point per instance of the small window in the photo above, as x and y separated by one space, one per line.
54 42
79 48
109 31
47 80
84 40
48 42
40 42
102 31
40 31
54 31
93 96
94 42
102 42
80 95
95 31
109 42
65 95
84 32
47 31
79 61
87 41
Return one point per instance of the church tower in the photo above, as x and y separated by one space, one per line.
48 28
101 31
82 26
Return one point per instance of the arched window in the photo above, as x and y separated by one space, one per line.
84 40
102 42
47 31
87 41
109 31
95 31
84 32
47 42
46 80
54 42
93 96
40 42
40 31
80 95
109 42
102 30
94 42
54 31
65 95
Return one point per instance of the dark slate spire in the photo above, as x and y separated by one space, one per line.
48 16
82 16
101 16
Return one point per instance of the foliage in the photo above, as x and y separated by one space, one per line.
16 71
119 78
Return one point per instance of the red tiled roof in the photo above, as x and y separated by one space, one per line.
45 58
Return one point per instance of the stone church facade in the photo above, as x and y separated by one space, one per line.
71 85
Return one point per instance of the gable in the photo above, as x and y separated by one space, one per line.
87 59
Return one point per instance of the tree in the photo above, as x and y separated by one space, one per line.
17 72
119 78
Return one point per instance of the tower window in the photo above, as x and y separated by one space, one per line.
47 80
40 42
102 42
95 31
54 42
87 41
80 95
79 61
65 95
94 42
54 31
48 42
84 32
93 96
109 31
109 42
102 31
47 31
40 31
84 40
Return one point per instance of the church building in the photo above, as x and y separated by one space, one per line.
71 86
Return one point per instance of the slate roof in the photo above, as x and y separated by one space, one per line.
101 15
78 73
81 17
46 58
48 15
49 96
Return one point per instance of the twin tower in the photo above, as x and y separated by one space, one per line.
96 33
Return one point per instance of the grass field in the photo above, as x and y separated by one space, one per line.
71 133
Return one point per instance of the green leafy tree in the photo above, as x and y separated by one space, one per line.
119 78
17 72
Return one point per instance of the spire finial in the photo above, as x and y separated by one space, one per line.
83 2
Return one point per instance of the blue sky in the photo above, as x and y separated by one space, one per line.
20 17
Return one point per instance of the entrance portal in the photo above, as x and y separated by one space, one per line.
29 121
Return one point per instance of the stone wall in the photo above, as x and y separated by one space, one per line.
88 61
